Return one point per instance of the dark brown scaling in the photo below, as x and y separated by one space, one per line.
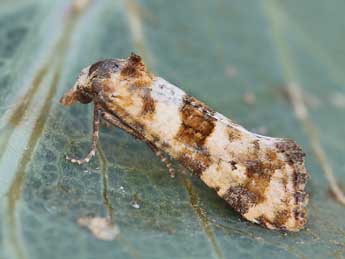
280 219
240 198
294 157
233 165
300 215
292 151
299 197
197 162
255 167
299 178
84 97
197 123
148 103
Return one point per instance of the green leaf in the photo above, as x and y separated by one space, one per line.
273 66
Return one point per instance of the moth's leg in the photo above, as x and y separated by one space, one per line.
164 160
117 123
95 135
108 118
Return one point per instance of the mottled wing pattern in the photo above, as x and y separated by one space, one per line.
262 178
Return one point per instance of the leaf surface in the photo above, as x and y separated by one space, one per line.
275 67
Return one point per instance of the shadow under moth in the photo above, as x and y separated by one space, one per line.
262 178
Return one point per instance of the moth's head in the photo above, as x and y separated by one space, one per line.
80 91
84 90
91 80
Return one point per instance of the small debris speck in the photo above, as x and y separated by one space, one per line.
100 227
135 205
122 190
259 238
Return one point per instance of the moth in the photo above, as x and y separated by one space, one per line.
262 178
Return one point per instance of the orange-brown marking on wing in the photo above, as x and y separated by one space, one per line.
136 72
126 101
252 191
148 104
258 178
271 154
234 134
197 123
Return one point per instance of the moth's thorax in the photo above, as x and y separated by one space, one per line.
120 84
121 94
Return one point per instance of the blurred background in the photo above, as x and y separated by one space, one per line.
274 66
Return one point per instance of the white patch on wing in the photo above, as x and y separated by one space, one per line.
222 176
168 100
227 122
290 191
165 92
217 142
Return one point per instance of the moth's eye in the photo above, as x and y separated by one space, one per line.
84 97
